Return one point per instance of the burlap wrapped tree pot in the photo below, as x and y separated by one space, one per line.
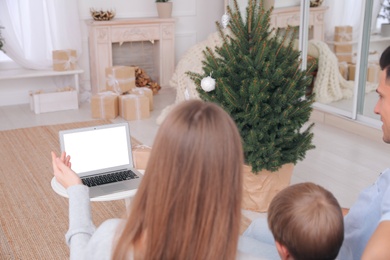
256 76
260 188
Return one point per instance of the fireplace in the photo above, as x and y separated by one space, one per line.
143 54
147 43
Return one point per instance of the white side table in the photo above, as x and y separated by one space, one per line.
122 195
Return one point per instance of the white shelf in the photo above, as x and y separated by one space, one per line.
25 73
14 74
373 38
378 38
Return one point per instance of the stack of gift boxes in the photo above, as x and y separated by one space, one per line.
343 48
122 97
343 43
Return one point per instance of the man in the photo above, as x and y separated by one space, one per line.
368 219
378 246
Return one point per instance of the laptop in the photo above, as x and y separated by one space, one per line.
102 157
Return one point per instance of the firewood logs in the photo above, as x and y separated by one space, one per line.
142 79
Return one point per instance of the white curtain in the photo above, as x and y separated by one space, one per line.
34 28
347 12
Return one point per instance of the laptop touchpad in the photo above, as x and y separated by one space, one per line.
114 188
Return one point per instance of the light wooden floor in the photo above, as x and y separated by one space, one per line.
342 162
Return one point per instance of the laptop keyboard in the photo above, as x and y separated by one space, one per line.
109 178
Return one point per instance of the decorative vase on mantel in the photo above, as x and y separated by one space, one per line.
164 8
267 4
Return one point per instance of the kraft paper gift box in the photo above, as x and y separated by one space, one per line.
347 57
120 79
105 105
343 33
133 107
351 71
144 91
64 60
54 100
141 155
343 47
373 72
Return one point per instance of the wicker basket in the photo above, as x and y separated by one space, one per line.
102 15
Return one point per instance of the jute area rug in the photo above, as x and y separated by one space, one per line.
33 218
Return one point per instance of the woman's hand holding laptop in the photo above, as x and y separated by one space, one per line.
62 171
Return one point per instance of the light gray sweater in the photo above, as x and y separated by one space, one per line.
84 239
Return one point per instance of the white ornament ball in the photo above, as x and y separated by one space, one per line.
208 84
225 20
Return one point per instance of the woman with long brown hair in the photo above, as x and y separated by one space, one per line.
188 205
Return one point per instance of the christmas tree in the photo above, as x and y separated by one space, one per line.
256 76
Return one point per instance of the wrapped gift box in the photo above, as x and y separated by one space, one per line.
373 72
120 79
64 60
343 47
146 92
351 71
104 105
55 100
344 57
343 33
343 68
133 107
141 155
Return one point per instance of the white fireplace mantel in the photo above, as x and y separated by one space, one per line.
102 34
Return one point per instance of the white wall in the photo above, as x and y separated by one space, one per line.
195 20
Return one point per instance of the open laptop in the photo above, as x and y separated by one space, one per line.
102 157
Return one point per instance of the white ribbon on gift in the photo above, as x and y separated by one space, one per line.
102 96
113 82
344 35
142 146
70 62
139 91
67 63
142 90
137 104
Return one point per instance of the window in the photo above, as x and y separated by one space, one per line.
6 62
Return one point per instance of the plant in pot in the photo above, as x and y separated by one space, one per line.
255 76
164 8
385 14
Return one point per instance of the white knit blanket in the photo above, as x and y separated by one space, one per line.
329 85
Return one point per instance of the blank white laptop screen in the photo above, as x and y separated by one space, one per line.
97 149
